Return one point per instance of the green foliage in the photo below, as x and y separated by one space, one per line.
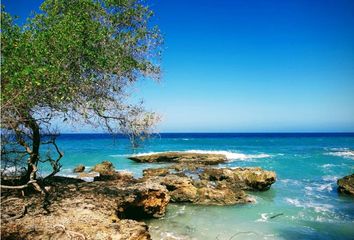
77 58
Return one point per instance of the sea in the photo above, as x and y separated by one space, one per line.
302 204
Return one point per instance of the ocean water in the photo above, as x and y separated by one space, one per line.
304 197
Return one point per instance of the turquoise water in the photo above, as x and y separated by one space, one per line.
307 167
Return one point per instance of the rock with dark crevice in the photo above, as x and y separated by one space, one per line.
143 200
252 178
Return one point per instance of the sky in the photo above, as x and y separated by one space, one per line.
249 66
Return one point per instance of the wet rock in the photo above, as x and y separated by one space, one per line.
143 200
221 196
173 157
104 168
253 178
78 169
346 184
149 172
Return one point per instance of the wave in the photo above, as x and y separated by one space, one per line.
229 155
330 178
290 181
341 152
318 207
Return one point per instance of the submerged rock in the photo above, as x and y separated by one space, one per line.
174 157
143 200
346 184
253 178
104 168
79 168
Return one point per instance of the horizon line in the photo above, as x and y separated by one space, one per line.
297 132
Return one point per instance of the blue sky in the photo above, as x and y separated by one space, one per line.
250 66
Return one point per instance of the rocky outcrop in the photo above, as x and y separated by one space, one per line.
184 189
346 184
143 200
78 169
241 178
180 157
104 168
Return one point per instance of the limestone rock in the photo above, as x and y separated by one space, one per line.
346 184
79 168
178 157
220 196
104 168
143 200
253 178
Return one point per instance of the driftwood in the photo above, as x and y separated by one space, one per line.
276 215
70 234
246 232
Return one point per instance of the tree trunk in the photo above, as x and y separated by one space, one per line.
34 156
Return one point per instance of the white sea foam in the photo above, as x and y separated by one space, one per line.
330 178
171 235
233 155
325 187
12 171
229 155
290 181
341 152
119 155
328 165
264 218
318 207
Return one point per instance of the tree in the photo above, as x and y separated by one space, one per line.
75 60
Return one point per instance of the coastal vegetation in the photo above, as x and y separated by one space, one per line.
72 61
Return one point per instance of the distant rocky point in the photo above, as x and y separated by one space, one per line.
181 157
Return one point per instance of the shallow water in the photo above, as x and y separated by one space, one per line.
303 202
